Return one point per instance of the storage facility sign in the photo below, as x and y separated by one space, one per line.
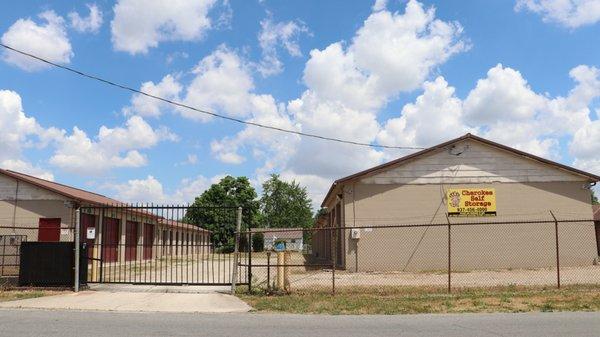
471 201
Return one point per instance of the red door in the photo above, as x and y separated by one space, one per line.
148 240
110 238
49 230
88 221
131 229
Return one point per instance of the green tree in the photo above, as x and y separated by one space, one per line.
285 204
594 199
208 210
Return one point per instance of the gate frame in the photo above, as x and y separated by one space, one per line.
224 278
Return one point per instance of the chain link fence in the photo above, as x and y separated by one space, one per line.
454 255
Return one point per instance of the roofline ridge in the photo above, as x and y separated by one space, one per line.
54 182
449 142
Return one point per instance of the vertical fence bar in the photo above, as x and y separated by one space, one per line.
236 249
449 255
77 252
557 250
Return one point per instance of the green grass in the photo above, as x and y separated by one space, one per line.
407 300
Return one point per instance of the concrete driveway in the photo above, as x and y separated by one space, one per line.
138 299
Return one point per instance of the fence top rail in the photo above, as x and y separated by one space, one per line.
440 224
32 227
137 206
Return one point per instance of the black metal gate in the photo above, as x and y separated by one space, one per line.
147 244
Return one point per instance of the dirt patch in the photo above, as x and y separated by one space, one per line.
300 278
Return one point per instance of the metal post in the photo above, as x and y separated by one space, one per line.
249 260
236 251
77 227
449 255
101 252
333 259
557 251
269 271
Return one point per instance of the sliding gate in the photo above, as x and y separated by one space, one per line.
179 245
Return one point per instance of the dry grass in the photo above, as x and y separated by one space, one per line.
21 294
407 300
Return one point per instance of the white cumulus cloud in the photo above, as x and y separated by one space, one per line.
89 24
19 132
139 25
274 35
111 148
168 88
47 40
568 13
151 190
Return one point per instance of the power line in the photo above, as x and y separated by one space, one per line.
237 120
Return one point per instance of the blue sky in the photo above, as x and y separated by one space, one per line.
404 73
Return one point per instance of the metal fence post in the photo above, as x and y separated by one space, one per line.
449 255
333 259
236 249
249 260
77 253
268 271
557 251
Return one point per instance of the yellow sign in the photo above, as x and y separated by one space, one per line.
471 201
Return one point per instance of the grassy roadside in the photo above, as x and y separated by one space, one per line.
14 294
405 300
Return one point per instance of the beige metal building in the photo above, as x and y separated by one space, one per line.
34 209
414 190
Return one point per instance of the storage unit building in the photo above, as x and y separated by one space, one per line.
415 189
34 209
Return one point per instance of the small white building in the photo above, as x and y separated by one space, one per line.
291 236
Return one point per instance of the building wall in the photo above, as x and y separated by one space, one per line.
32 203
414 192
473 247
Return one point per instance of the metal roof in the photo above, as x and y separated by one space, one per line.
91 198
77 194
281 233
376 169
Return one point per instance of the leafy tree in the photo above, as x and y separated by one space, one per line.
285 204
208 211
594 199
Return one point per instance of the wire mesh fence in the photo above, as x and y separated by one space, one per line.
452 255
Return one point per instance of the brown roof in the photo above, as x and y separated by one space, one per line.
70 192
596 211
90 198
376 169
281 233
179 224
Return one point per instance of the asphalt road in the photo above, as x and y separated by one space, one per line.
79 323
